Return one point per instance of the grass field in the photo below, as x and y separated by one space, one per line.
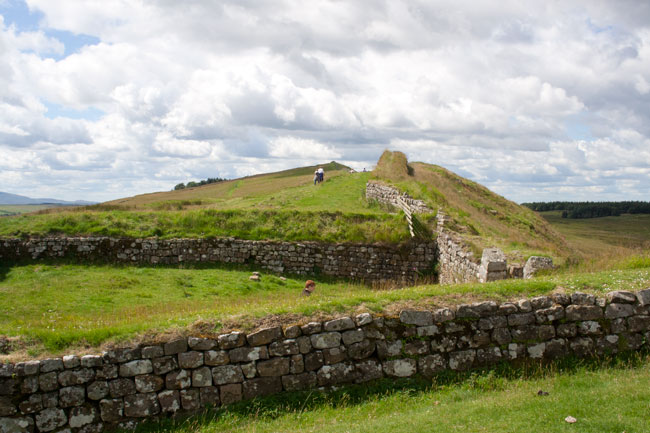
599 235
335 211
55 307
610 398
16 209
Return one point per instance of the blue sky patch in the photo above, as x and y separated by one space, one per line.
18 14
56 110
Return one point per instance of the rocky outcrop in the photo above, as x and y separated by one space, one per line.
124 386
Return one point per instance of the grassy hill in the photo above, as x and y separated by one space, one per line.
286 205
480 216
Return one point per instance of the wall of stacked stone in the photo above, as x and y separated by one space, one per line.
122 387
389 195
356 261
456 262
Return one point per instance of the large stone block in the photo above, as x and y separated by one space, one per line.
535 264
368 370
583 312
216 357
190 399
621 297
414 317
344 372
299 382
141 405
230 393
97 390
72 396
202 377
261 387
178 379
192 359
121 387
51 419
341 324
615 311
47 382
173 347
7 408
232 340
264 336
209 396
17 425
164 364
284 348
462 360
111 410
274 367
400 367
137 367
248 354
326 340
48 365
169 401
148 383
83 415
198 343
225 374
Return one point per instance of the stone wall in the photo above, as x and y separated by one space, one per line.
392 196
456 262
355 261
122 387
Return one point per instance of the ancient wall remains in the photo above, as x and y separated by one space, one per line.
392 196
355 261
122 387
456 262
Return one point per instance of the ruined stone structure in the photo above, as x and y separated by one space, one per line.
456 262
394 197
122 387
355 261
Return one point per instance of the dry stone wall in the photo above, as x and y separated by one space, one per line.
356 261
122 387
392 196
456 262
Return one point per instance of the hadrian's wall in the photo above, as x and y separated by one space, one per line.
456 262
122 387
392 196
356 261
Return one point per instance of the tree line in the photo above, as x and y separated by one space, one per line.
591 209
199 183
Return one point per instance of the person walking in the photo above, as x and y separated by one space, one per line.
321 174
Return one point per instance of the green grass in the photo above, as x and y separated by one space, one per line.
55 306
288 225
335 211
599 234
610 398
14 209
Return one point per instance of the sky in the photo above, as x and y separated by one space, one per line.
538 101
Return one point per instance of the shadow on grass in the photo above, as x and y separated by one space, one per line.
486 379
6 267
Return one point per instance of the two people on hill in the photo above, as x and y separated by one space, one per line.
319 175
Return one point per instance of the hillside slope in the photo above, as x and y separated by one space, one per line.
480 216
286 189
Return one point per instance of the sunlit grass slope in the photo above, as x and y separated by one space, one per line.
60 305
479 215
278 206
611 398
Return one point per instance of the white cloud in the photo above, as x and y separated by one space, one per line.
233 88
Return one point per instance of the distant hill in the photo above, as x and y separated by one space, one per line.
7 198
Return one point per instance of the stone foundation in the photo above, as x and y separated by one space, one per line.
354 261
122 387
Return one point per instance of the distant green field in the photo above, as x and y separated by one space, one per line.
600 235
13 209
600 398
